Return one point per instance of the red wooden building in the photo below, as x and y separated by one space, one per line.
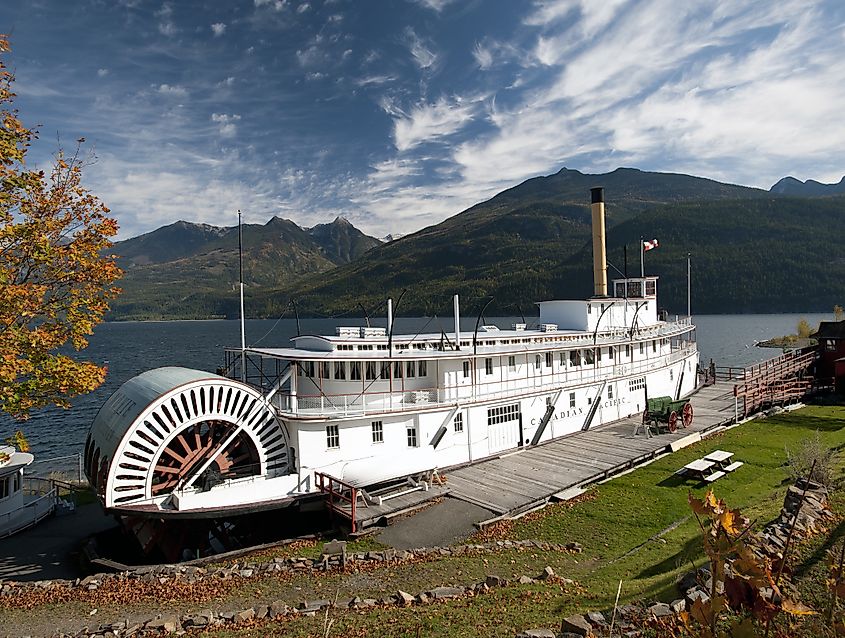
830 367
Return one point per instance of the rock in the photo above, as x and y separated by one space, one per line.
245 615
445 592
536 633
495 581
404 597
526 580
697 594
577 625
659 610
575 547
261 611
277 608
167 624
678 605
246 573
548 572
596 618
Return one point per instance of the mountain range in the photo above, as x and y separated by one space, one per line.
751 250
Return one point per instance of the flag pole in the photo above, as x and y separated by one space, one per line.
241 280
642 258
689 311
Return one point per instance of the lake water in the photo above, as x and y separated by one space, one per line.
130 348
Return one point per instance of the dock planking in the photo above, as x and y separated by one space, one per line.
516 482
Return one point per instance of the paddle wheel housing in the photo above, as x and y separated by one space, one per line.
173 429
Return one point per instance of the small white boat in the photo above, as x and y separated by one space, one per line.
21 505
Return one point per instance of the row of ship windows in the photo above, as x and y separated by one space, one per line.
352 370
377 431
373 370
499 414
444 344
575 358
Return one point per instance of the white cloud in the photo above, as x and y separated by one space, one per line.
423 56
430 122
218 28
305 6
483 56
434 5
101 73
166 26
227 123
172 89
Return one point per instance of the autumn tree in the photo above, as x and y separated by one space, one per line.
55 279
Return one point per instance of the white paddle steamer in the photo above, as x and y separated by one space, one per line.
367 406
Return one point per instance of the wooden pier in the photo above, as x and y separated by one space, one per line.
525 479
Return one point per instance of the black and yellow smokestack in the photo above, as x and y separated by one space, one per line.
599 249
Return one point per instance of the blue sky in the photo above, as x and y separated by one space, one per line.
400 113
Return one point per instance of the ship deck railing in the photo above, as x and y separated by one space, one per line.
40 499
368 403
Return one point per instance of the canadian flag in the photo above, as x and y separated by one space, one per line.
648 245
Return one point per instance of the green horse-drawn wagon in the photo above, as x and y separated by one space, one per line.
666 412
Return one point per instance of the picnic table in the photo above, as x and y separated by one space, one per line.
720 458
699 467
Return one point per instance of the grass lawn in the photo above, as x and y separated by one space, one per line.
636 528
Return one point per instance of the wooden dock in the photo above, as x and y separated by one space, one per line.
524 479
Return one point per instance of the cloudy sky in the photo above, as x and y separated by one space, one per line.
399 113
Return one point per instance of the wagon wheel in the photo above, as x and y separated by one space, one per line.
687 415
673 421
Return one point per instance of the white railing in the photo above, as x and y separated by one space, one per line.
30 513
364 403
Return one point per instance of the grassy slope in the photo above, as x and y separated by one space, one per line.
636 528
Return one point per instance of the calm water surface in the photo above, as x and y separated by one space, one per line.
129 348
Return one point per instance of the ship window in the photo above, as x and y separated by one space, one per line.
488 366
412 436
589 309
642 347
671 374
609 392
512 363
332 436
611 352
422 368
571 399
355 370
410 369
502 414
325 368
549 357
339 369
4 487
385 370
588 356
537 361
466 369
378 432
650 287
627 351
397 370
654 346
562 359
307 368
598 354
371 370
459 422
575 358
16 484
636 384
